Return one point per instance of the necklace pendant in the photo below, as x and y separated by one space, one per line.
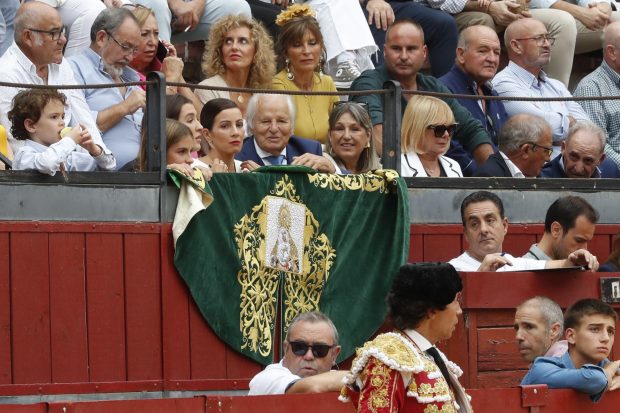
240 98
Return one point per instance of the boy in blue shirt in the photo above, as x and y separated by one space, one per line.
590 326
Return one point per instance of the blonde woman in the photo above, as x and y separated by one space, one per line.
428 126
239 54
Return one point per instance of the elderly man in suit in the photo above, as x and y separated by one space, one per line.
271 119
582 156
524 147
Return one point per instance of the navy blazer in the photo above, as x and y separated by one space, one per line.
553 169
296 146
459 82
494 166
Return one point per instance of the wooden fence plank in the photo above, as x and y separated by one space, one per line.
143 306
69 338
175 317
105 307
30 308
5 310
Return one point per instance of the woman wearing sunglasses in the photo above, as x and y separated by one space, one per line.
428 126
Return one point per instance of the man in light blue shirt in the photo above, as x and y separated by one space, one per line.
590 329
115 36
529 49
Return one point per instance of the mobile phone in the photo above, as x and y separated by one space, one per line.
162 51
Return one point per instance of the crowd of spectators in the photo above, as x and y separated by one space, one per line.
320 45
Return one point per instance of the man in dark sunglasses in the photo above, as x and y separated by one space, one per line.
310 350
403 370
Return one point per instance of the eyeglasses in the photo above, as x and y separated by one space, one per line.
126 48
300 348
55 34
548 151
540 40
440 130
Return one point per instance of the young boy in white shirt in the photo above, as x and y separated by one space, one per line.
37 117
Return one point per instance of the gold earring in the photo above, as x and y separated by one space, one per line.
289 74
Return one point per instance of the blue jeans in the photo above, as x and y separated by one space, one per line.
440 33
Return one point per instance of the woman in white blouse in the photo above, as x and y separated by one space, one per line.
428 126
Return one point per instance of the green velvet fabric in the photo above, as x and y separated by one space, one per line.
339 256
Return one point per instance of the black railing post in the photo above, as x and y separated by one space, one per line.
391 125
156 132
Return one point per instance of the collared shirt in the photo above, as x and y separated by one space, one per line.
560 373
17 68
466 262
419 340
493 116
264 154
516 81
124 137
535 253
603 81
275 379
514 169
47 159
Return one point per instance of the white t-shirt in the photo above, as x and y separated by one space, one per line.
466 262
275 379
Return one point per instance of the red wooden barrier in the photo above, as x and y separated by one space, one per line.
99 307
507 400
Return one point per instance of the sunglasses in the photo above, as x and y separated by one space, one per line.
440 130
363 105
300 348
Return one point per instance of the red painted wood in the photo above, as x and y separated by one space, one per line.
441 247
106 307
143 306
83 388
508 290
69 344
5 310
18 408
497 350
600 245
186 405
207 351
30 308
518 244
240 366
415 248
175 318
90 227
308 403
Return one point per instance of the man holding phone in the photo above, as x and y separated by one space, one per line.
310 350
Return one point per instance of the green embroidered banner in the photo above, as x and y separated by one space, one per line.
283 241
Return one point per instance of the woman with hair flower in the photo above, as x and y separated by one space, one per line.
301 55
239 54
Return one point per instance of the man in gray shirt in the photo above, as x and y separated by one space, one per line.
569 225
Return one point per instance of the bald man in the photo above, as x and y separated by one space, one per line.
477 59
604 82
529 48
36 58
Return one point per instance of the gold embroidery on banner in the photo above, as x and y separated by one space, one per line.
383 180
301 267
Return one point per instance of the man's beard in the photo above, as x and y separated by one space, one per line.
113 71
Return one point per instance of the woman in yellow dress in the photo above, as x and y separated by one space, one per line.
301 55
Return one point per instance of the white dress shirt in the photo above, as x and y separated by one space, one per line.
15 67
